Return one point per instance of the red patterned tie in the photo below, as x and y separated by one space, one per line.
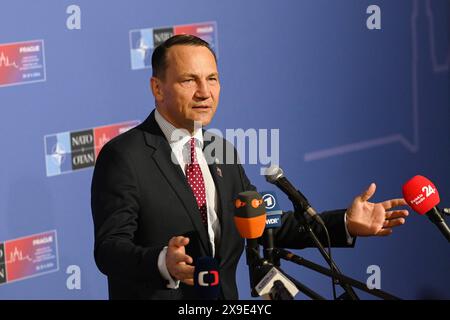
195 179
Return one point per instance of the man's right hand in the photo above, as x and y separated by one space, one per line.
178 262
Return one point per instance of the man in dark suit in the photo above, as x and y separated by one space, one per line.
159 201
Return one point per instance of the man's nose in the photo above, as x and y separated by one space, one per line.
202 91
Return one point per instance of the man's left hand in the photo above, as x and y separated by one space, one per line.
365 218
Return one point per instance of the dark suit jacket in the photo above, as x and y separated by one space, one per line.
140 199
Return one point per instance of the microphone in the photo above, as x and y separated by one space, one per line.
280 292
275 175
423 197
206 278
250 214
274 285
273 220
250 220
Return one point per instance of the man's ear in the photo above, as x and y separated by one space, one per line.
156 86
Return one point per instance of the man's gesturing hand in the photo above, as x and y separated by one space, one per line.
366 218
178 262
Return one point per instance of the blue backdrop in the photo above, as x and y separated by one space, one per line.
353 105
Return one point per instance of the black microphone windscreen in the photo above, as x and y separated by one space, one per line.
206 278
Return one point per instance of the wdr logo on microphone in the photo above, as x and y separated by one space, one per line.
273 212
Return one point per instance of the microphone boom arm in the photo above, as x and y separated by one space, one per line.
305 226
289 256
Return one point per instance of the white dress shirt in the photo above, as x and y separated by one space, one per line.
179 143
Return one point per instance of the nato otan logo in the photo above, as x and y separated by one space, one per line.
143 41
69 151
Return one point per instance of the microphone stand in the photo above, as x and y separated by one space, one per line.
253 262
262 266
350 294
302 288
289 256
258 267
437 218
268 247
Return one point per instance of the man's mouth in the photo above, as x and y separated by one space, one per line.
201 107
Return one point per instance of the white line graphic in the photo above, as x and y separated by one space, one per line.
4 62
17 255
396 138
436 66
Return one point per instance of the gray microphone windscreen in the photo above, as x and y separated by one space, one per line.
273 173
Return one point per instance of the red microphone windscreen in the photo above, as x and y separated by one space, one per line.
421 194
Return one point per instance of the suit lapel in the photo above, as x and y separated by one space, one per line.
218 182
175 176
218 172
